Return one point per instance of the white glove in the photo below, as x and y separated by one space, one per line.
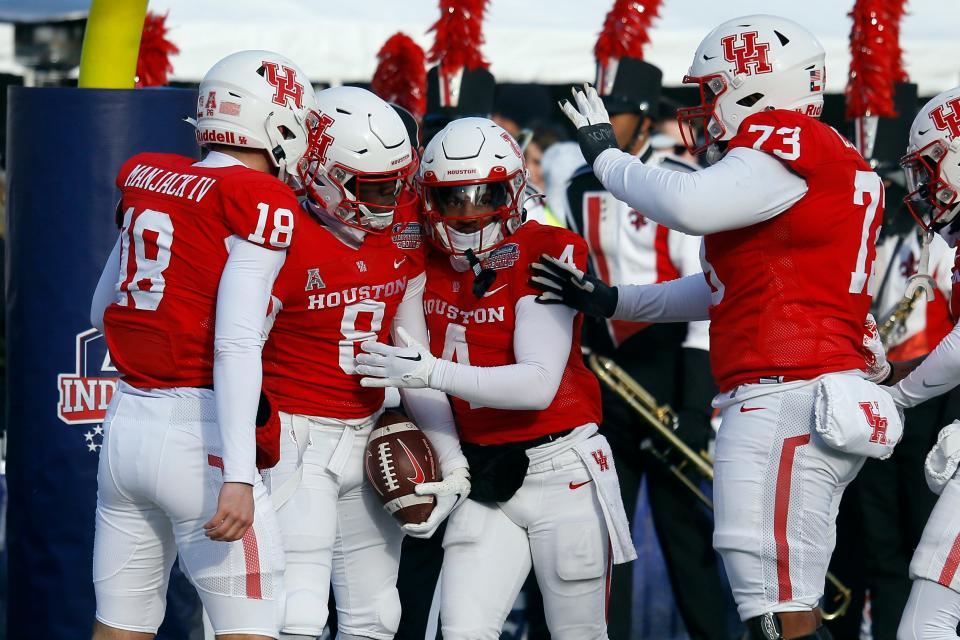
589 109
451 492
405 367
594 131
876 358
941 463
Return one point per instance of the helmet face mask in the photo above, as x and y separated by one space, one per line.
359 160
932 163
703 116
471 183
931 200
476 216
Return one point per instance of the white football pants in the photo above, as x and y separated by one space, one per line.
334 529
158 483
777 490
553 522
933 611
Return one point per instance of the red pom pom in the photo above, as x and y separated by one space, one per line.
459 34
401 74
625 30
876 63
153 61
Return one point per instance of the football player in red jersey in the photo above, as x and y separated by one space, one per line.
356 273
545 491
789 212
182 301
932 167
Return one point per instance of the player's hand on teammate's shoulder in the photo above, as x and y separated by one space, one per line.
407 366
563 283
234 513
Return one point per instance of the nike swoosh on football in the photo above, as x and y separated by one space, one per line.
706 57
577 485
419 475
493 291
931 386
744 408
920 133
417 359
397 263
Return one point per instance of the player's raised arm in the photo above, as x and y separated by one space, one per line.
746 187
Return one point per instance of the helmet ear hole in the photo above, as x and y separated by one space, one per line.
750 100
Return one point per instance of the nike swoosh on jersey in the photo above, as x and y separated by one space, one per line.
419 476
397 263
493 291
931 386
577 485
417 359
744 408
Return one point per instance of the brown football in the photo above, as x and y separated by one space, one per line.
399 457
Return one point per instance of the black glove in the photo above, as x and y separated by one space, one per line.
562 283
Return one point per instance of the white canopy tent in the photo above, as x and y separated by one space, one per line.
547 41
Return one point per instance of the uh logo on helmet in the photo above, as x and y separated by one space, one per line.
745 66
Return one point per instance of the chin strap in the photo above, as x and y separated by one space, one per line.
482 278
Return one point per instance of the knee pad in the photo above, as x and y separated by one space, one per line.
389 608
381 617
305 613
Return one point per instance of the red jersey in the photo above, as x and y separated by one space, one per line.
790 294
479 332
333 297
177 218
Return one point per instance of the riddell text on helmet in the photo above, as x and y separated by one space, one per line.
224 137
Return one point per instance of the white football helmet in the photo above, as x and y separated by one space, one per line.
471 181
932 162
359 158
258 100
747 65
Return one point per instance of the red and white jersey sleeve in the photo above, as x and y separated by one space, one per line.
480 332
176 218
333 297
261 215
790 293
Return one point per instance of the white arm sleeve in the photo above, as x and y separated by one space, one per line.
240 331
936 375
680 300
742 189
106 291
541 346
687 251
428 408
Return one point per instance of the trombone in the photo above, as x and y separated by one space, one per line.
663 420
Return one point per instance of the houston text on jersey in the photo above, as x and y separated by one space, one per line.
354 294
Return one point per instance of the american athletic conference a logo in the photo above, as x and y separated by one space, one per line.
750 56
86 393
948 121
